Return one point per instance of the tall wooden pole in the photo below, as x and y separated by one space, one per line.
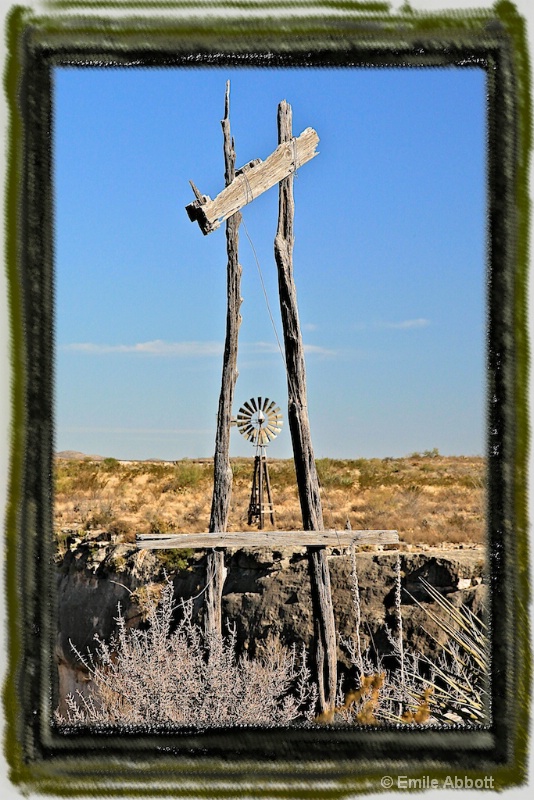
222 480
307 479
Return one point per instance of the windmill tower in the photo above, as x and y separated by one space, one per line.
260 421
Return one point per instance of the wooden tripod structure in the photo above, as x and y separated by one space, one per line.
242 187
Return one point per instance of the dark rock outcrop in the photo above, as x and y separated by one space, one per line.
265 593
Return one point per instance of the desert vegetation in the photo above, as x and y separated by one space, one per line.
430 499
167 674
170 673
165 671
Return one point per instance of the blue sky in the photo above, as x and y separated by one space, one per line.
389 261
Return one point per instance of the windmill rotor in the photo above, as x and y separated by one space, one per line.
259 420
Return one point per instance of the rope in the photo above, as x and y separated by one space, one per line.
258 266
248 189
249 196
267 303
326 504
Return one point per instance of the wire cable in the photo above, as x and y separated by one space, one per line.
289 378
266 297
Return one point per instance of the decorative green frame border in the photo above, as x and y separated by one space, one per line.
248 762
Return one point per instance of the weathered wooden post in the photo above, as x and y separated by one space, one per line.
307 479
241 187
222 471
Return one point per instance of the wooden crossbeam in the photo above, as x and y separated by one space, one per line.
271 539
252 180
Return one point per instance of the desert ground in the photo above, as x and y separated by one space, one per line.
431 500
437 505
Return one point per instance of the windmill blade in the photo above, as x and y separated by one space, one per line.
259 420
274 423
249 407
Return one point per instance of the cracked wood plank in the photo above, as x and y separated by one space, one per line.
270 539
252 180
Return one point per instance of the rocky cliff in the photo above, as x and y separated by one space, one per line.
265 593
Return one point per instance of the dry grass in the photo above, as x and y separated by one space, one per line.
429 499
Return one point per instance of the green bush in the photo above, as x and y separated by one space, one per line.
335 474
187 475
111 464
174 560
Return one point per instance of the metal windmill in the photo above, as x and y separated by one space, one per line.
260 421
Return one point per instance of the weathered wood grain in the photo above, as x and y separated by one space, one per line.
325 655
222 471
252 180
270 539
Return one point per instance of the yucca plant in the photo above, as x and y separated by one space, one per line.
454 688
461 675
450 690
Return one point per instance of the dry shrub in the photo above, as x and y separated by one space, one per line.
173 675
122 529
165 677
359 706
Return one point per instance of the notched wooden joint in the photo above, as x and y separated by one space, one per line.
247 167
251 180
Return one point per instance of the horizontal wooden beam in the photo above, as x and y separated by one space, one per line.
271 539
252 180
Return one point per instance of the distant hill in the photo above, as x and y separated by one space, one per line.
75 455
